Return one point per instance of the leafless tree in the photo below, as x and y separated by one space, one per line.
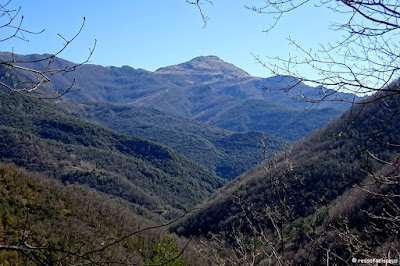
260 239
52 255
366 60
12 27
198 4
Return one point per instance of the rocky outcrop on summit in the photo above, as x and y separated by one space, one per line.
201 67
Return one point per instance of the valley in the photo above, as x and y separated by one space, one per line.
201 151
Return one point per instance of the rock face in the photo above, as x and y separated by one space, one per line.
202 66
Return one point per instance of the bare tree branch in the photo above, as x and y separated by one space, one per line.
36 79
198 4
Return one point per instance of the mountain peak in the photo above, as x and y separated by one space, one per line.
205 65
206 57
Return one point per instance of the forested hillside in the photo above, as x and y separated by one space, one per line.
43 138
275 119
310 176
223 152
293 161
46 223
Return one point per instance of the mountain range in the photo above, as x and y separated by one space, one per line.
205 89
266 172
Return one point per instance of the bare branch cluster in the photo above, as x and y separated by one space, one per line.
260 239
11 25
40 255
366 60
198 4
277 9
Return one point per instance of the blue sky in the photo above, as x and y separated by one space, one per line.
150 34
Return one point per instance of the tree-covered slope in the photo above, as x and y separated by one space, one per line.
272 118
43 138
318 169
361 223
225 153
43 222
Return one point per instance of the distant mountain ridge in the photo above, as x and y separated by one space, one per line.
204 89
308 203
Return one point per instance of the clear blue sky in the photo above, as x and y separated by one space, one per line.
150 34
